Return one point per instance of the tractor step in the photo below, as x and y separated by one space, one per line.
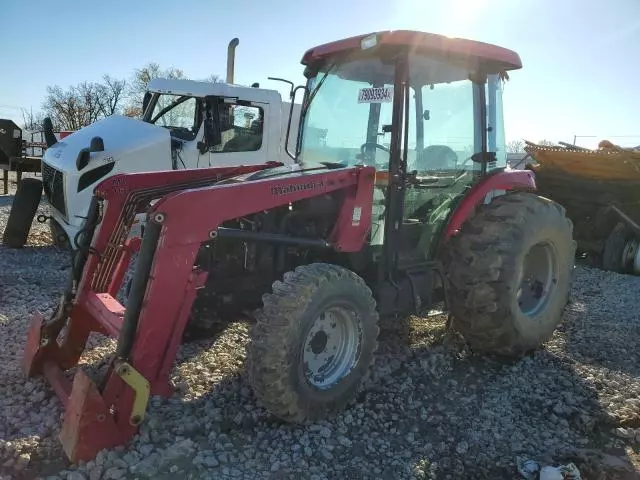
107 311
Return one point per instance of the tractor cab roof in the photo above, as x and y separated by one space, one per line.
492 58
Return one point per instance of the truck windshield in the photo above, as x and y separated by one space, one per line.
335 123
176 112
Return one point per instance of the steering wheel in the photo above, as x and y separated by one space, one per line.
367 159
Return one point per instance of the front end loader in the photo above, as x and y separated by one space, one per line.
400 198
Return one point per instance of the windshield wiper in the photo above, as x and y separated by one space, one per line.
315 90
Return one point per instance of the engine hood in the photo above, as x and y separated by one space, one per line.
122 137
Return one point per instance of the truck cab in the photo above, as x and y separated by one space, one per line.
185 124
218 124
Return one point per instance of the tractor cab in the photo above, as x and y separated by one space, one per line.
425 110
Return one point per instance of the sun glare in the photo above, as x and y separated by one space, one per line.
454 18
461 16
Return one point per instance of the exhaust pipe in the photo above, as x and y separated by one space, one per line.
231 58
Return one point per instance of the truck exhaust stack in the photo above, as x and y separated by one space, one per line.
231 58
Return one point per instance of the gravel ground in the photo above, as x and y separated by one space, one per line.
433 409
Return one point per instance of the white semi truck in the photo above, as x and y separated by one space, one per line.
185 125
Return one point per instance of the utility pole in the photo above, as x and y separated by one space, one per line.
575 137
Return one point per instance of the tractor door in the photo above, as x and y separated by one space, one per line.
444 127
349 122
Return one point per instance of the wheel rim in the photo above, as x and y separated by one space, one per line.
538 279
332 347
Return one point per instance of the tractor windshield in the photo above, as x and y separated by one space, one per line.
336 124
349 116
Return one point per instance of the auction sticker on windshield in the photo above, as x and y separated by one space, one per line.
375 95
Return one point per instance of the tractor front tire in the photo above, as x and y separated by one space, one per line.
510 271
313 342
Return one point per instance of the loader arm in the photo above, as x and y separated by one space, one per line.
149 330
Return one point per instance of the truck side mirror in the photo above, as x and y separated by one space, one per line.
84 155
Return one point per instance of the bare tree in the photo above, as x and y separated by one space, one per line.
86 102
82 104
213 78
140 81
133 111
64 107
32 121
547 143
142 76
111 95
515 146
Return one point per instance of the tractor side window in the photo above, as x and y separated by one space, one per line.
351 102
448 127
177 113
242 128
495 122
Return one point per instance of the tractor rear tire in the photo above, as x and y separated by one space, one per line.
316 310
23 210
517 236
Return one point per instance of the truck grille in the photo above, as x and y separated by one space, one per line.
52 182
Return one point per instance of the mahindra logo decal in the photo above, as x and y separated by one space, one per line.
296 187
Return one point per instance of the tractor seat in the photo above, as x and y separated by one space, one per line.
436 157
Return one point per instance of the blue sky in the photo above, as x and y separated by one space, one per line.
580 73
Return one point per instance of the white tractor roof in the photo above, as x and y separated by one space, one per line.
194 88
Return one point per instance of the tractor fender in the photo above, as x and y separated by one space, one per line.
492 184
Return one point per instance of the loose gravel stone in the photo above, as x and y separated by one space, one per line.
78 476
432 408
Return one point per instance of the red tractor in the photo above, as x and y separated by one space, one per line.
401 197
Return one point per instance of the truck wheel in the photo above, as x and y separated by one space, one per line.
313 342
23 210
510 270
620 253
